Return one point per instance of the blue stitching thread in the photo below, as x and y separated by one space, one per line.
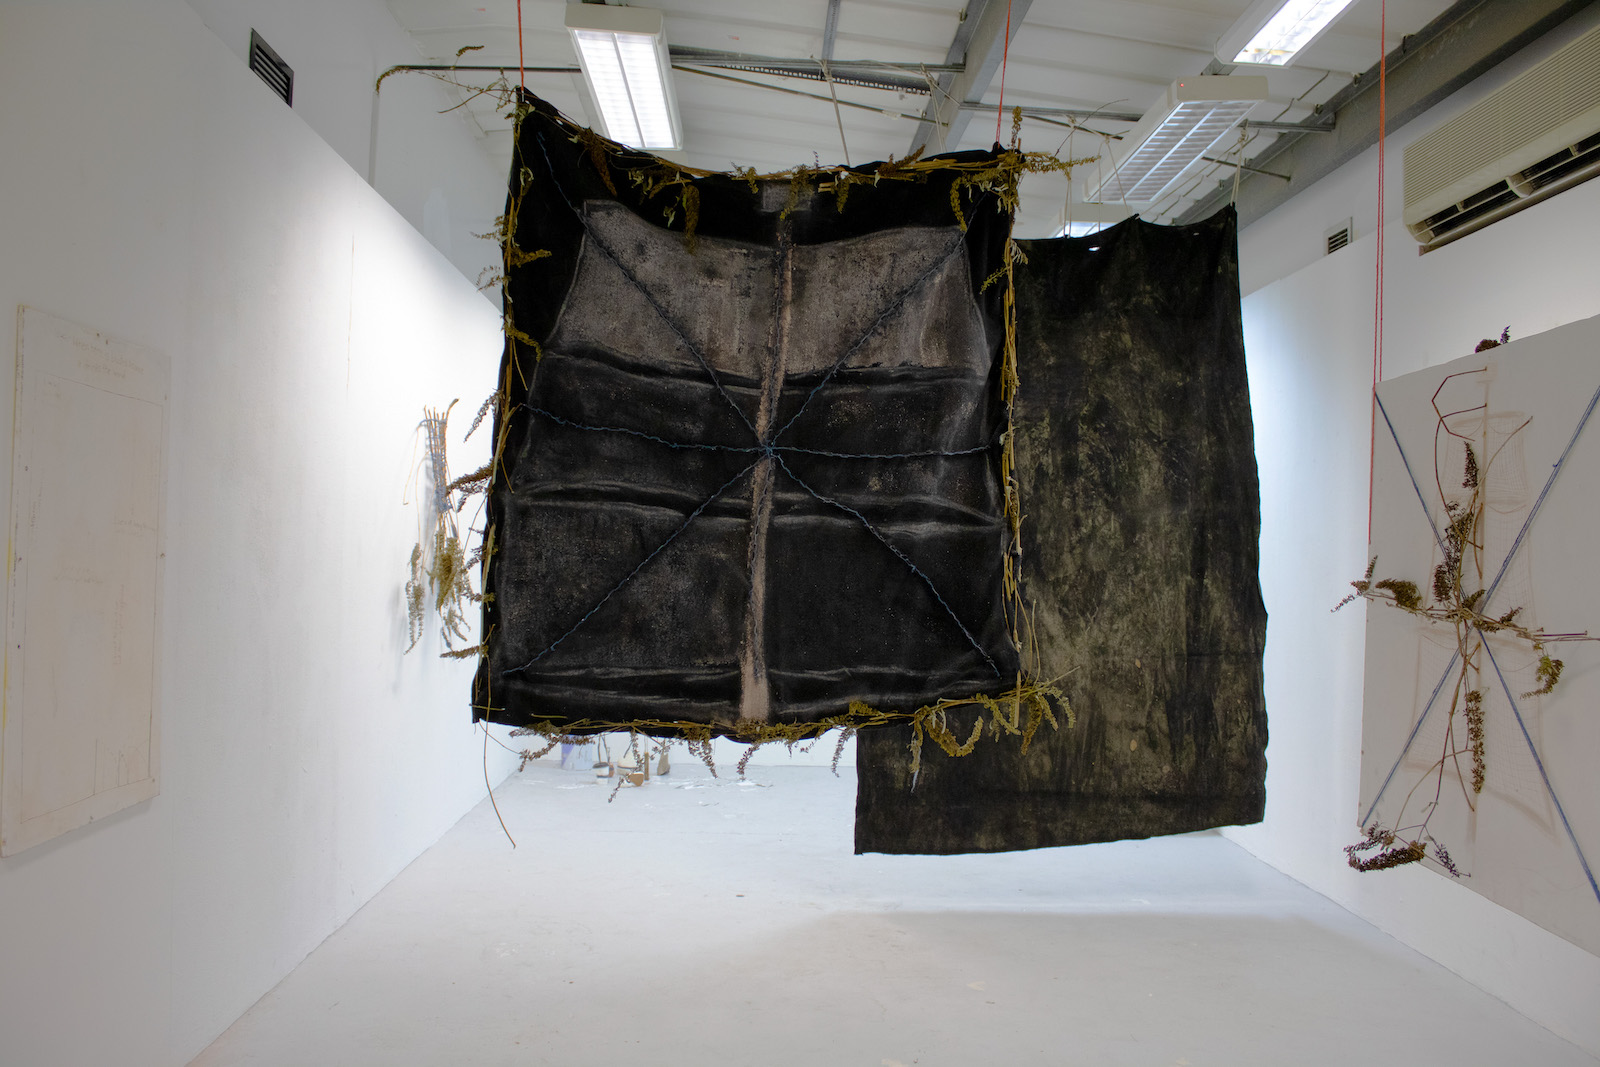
553 417
847 509
583 220
695 514
891 309
880 455
1539 763
1488 596
1427 708
767 448
1406 462
1539 502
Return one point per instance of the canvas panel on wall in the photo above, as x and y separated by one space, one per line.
1530 838
1136 465
84 599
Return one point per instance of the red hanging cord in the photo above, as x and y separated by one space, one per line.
1377 300
1005 54
522 68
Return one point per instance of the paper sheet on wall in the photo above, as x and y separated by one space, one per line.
1530 838
83 611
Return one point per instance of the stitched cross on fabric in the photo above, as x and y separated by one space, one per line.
1487 603
754 482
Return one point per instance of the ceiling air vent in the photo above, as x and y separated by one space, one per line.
271 68
1532 138
1338 237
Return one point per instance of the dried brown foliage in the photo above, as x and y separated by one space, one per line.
1459 601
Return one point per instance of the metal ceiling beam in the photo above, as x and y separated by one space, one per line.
979 43
858 72
1465 41
1101 114
830 30
718 57
867 73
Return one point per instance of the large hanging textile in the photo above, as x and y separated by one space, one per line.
1136 464
751 448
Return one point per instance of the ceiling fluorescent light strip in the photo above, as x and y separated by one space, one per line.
602 67
623 54
1272 32
640 68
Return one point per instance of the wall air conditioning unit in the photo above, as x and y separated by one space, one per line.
1532 138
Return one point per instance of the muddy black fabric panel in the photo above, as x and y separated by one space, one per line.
753 477
1137 468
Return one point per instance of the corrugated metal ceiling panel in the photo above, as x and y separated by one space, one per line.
1113 55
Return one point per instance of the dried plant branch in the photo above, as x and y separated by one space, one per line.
1458 600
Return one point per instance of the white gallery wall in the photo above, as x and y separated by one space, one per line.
429 165
1309 339
153 189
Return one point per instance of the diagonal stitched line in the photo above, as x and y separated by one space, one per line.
695 514
1443 678
1505 566
557 419
901 556
766 448
1533 512
1539 763
880 455
700 357
883 316
1406 462
1427 708
650 299
553 417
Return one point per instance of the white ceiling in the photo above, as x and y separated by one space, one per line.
1113 55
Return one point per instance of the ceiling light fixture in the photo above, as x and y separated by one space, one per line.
1188 122
1272 32
623 53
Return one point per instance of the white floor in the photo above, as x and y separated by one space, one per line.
711 921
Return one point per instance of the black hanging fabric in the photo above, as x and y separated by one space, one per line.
1136 465
749 440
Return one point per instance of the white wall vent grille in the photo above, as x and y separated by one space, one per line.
1528 140
1338 237
278 75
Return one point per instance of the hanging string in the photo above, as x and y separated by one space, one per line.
490 787
1109 152
1377 300
1005 54
827 72
1066 230
1238 165
522 70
